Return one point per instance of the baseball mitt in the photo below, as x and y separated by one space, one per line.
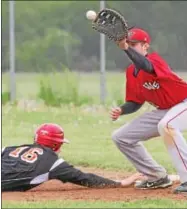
112 24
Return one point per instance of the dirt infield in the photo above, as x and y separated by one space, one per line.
55 190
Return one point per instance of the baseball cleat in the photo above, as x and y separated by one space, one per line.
181 189
160 183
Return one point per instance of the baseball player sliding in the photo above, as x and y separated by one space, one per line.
150 79
27 166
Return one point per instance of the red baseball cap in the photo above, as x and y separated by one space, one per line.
138 35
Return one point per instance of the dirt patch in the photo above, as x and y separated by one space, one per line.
55 190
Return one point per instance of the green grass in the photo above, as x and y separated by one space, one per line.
89 133
27 85
154 203
89 130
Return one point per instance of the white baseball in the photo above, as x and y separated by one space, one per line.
91 15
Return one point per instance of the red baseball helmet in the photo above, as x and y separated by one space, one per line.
50 135
138 35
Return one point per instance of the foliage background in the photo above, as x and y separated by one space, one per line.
54 33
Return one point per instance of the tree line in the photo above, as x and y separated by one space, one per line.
52 34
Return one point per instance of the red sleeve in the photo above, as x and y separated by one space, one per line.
160 66
132 90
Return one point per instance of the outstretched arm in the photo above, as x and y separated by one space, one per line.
67 173
140 61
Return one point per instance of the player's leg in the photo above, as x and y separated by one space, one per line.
170 128
128 137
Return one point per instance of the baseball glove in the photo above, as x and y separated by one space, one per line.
112 24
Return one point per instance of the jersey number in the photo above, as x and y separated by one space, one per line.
29 156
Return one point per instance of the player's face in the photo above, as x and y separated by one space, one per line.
139 47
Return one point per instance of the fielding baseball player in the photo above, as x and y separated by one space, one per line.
27 166
150 79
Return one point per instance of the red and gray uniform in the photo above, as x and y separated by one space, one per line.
150 79
27 166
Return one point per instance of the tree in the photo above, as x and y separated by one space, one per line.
52 33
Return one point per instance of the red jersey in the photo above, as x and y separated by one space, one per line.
163 89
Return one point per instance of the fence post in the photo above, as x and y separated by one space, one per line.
12 51
102 62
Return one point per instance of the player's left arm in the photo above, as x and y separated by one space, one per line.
153 65
140 61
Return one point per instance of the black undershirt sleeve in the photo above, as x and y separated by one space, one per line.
140 61
130 107
67 173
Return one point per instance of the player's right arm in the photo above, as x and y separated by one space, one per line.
67 173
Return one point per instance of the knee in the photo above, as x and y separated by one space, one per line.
167 131
165 127
119 137
115 136
161 126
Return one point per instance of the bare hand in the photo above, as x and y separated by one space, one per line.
123 44
115 113
130 180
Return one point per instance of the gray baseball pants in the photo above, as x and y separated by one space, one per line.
165 123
